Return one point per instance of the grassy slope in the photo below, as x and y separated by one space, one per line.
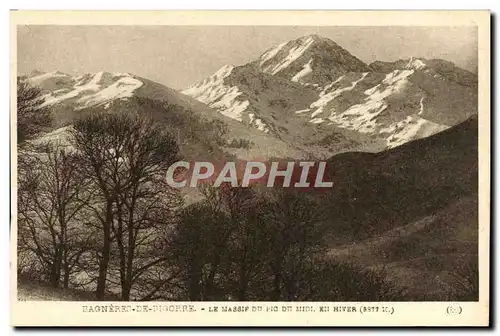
416 206
29 290
422 255
385 190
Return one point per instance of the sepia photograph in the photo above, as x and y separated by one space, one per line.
265 163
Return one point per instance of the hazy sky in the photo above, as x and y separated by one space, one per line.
178 56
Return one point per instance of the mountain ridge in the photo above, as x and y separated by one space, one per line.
71 97
394 102
340 104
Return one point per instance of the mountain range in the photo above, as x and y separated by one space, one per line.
306 97
313 81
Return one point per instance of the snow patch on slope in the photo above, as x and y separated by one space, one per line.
60 136
122 88
317 121
271 53
302 111
421 111
415 63
92 89
326 97
411 128
36 80
258 122
363 117
228 104
293 54
304 72
360 117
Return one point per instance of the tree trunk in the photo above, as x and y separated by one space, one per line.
55 271
210 283
194 279
126 287
66 278
106 248
277 277
243 281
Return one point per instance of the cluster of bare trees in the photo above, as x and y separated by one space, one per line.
239 244
93 210
51 195
244 246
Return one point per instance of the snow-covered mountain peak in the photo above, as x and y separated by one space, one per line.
224 71
215 79
310 59
437 68
313 79
283 55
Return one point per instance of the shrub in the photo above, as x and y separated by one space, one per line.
240 143
342 281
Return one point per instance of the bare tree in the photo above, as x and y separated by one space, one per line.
295 231
51 197
201 243
193 245
236 204
249 252
126 157
146 207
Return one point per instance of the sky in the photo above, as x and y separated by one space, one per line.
179 56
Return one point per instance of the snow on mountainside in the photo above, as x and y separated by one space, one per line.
101 89
311 81
87 90
65 95
223 96
308 96
68 98
261 100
